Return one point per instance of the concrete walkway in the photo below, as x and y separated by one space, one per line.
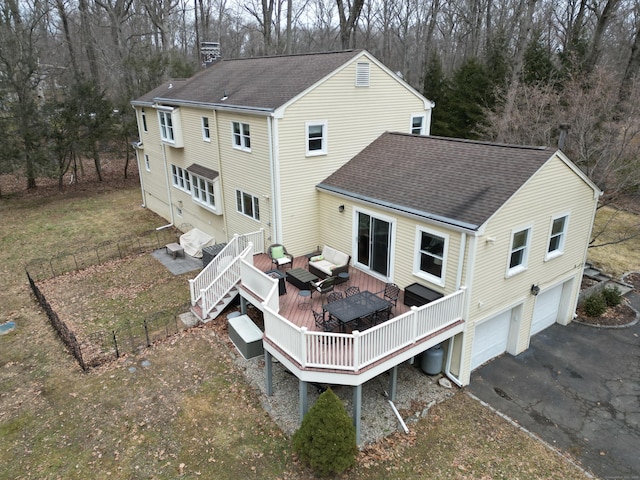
578 388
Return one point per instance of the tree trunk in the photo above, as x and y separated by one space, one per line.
603 22
521 47
348 24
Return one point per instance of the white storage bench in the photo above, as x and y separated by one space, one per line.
246 336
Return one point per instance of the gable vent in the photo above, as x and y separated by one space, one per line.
362 74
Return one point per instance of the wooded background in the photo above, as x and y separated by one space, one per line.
516 71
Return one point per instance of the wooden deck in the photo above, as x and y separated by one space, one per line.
289 303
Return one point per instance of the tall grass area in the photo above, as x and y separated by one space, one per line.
617 258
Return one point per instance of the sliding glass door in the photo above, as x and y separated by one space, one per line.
373 243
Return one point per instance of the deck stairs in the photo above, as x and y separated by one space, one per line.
217 309
216 286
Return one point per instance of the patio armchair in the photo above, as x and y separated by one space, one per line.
323 286
279 256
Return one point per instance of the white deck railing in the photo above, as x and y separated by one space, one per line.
228 277
352 352
206 279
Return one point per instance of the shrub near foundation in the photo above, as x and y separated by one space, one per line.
326 440
594 305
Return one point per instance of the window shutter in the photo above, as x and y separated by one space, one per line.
362 74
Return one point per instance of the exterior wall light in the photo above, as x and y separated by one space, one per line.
341 208
535 290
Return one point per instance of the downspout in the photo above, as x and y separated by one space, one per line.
144 203
471 259
217 136
274 166
166 176
463 247
137 150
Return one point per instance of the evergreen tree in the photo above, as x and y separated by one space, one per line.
470 93
326 440
436 88
538 64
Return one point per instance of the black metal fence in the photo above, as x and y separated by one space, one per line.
102 346
86 256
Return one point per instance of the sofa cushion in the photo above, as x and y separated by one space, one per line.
340 258
324 266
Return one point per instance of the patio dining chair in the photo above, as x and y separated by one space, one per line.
333 296
351 291
381 316
323 323
391 293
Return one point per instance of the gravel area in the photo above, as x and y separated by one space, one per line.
416 393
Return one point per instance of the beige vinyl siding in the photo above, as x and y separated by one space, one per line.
355 117
246 171
336 230
554 189
155 181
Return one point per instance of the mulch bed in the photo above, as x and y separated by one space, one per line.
619 315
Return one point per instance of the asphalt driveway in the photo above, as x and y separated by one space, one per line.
578 388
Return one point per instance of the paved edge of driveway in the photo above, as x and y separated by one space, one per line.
561 453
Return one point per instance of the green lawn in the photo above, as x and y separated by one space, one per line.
189 413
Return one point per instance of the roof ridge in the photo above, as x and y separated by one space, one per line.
476 142
333 52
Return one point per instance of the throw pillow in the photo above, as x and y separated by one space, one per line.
317 258
277 252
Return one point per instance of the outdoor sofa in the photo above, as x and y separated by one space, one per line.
330 263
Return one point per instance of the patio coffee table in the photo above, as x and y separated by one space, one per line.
300 278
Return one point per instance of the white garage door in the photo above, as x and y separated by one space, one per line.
545 313
490 339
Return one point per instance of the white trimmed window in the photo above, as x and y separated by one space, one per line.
206 133
418 122
203 191
241 136
247 204
143 115
557 236
181 178
166 126
519 252
430 260
316 138
363 74
147 163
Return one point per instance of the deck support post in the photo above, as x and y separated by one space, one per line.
304 399
357 410
268 365
243 305
393 383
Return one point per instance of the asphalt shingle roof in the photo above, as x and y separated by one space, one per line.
460 182
258 83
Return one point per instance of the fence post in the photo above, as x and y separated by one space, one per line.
146 332
115 343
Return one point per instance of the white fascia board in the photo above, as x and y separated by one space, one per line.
213 106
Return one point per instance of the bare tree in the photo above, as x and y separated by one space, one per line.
348 15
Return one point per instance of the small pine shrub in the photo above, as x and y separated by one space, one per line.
613 296
326 440
594 305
